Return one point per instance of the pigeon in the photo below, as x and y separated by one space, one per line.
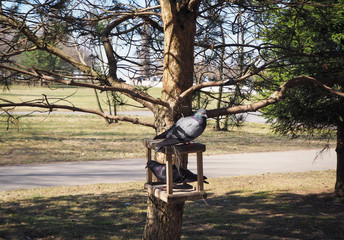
184 130
179 176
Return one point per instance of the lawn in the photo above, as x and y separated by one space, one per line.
45 138
80 97
61 137
268 206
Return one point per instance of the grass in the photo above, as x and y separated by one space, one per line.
69 138
42 139
268 206
72 137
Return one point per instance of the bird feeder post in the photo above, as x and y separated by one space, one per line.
169 174
166 192
200 171
149 172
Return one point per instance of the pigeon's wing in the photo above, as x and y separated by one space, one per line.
186 129
190 176
162 174
164 134
177 176
166 142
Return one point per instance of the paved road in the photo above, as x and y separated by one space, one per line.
115 171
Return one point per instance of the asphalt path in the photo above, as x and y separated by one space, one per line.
117 171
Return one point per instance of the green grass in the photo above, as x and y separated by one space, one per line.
268 206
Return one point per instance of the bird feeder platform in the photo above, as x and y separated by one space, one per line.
167 192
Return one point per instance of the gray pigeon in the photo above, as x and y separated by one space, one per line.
179 176
184 130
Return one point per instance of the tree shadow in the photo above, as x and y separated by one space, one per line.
265 215
118 215
122 215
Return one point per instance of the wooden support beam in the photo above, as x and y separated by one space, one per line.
166 192
179 195
169 174
149 172
199 171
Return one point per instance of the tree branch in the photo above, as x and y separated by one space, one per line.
45 104
127 89
199 86
273 98
41 44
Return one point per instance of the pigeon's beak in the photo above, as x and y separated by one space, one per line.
205 115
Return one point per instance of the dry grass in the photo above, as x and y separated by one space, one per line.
69 138
268 206
60 137
80 97
63 137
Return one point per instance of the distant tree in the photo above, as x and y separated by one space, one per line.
43 60
310 39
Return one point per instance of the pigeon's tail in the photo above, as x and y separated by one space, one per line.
161 136
204 180
159 147
164 134
191 177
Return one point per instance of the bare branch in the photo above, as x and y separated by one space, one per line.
127 89
45 104
41 44
274 97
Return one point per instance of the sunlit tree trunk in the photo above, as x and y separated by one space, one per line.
164 220
179 29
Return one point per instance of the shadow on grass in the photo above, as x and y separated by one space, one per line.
121 215
265 215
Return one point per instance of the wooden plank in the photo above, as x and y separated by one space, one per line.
149 172
169 194
186 148
200 186
179 195
181 148
169 174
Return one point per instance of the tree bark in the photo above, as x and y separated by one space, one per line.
164 220
339 187
179 32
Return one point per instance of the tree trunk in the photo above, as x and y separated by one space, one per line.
339 188
179 32
164 220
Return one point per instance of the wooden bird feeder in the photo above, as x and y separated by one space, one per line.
166 192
